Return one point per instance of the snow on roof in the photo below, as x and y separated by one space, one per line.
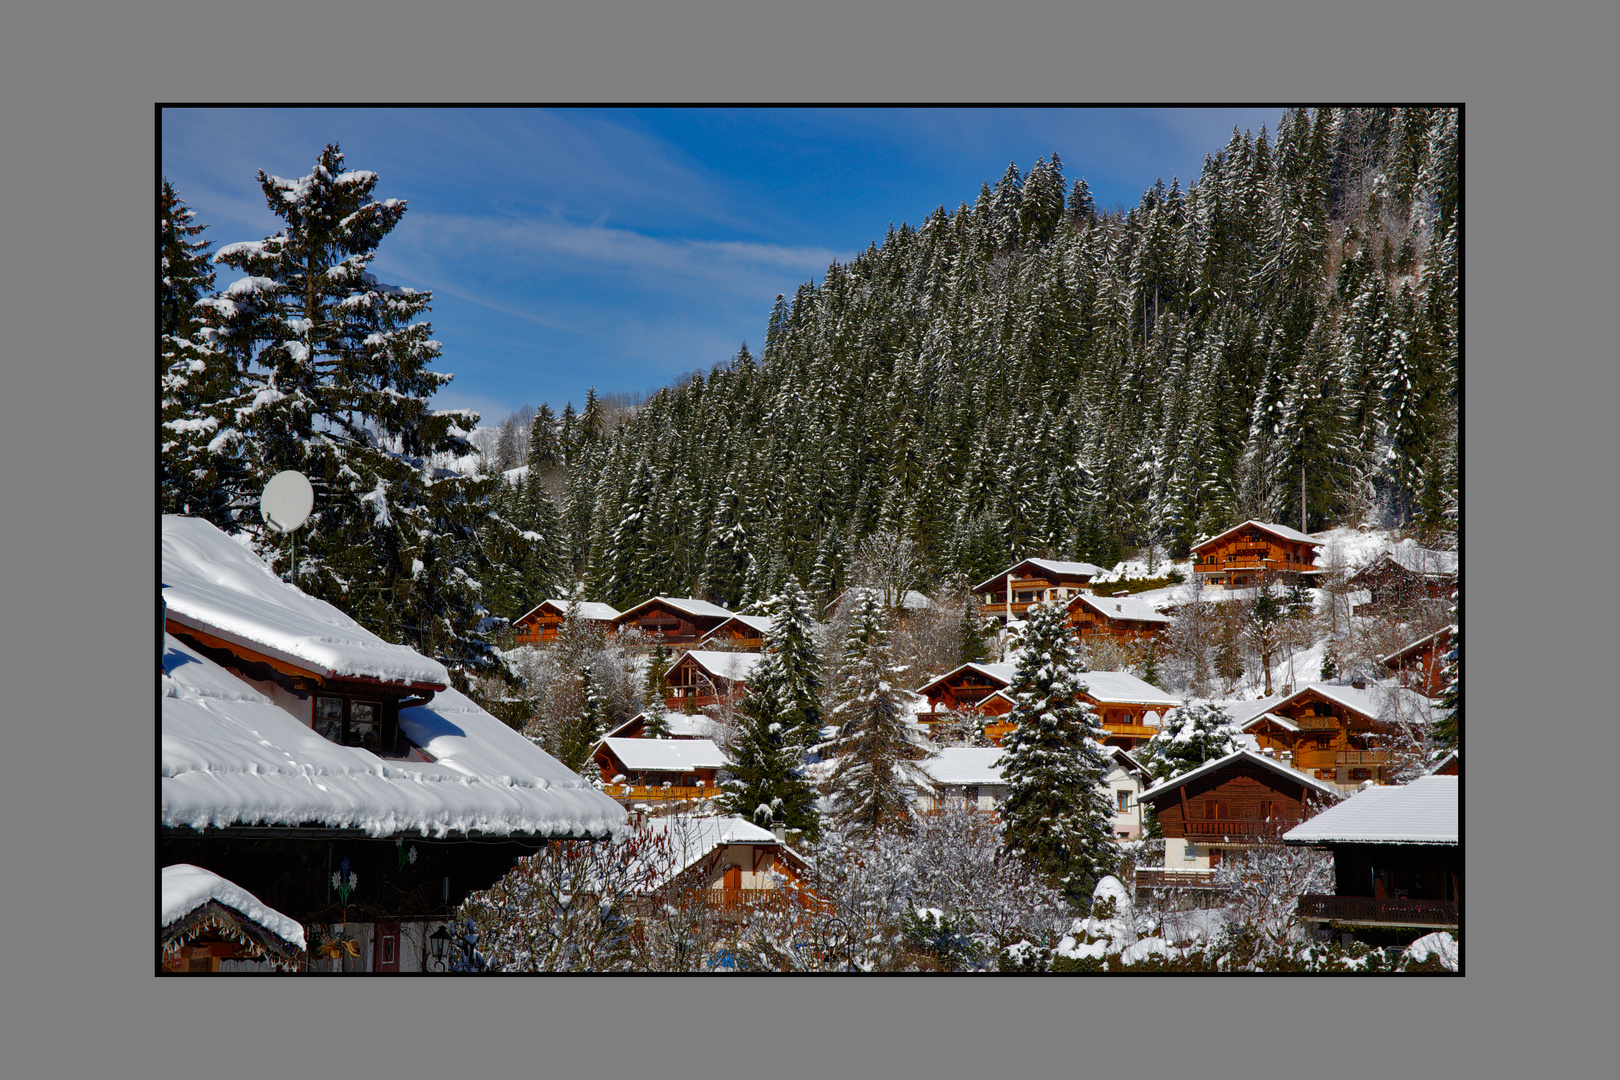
684 604
1121 607
1449 757
187 888
230 757
1241 711
1277 530
1002 673
680 726
734 666
1422 812
1422 560
1123 687
692 837
757 623
965 765
215 584
1387 703
1414 647
1219 763
588 609
667 755
1054 567
1281 721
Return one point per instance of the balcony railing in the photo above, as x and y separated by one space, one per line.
1140 731
1241 828
1154 878
1318 723
657 794
1362 757
1375 911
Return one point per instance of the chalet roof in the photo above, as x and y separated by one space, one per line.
214 584
1119 607
590 610
693 837
1121 687
1273 718
1425 562
1052 568
1446 759
1126 759
1236 756
230 757
759 624
666 755
733 666
1417 646
187 888
1242 711
686 605
1282 531
1422 812
680 725
1002 673
1387 703
974 765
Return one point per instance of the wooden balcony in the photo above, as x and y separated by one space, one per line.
1362 757
639 793
1238 828
1372 911
1138 731
1156 878
1319 723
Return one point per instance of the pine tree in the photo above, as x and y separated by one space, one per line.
877 767
1188 737
335 382
768 783
1054 764
657 725
1449 727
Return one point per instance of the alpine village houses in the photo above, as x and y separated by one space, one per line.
1009 594
1255 551
329 777
543 622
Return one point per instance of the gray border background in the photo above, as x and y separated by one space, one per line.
79 404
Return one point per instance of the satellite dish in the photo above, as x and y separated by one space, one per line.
287 501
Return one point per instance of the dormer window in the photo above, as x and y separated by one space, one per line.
349 722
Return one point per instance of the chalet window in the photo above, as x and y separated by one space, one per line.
1189 853
1216 810
348 722
1123 798
971 796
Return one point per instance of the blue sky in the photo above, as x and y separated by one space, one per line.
622 248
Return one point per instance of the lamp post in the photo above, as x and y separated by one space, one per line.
439 943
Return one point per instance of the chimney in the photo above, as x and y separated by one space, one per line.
780 831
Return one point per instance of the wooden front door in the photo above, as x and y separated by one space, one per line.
733 878
385 947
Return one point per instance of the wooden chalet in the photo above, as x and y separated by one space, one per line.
1338 733
1397 860
649 770
970 688
541 623
1255 551
1115 616
740 632
1127 706
1449 765
1010 593
674 620
732 860
1422 664
1404 575
286 729
681 726
206 919
971 777
1230 804
705 677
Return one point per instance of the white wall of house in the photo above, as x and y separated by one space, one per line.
1181 855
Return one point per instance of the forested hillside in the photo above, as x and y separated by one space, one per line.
1029 374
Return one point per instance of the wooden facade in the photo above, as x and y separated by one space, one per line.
541 624
1239 801
740 632
702 677
687 774
1256 551
1118 617
1405 576
966 686
1334 740
1422 664
674 621
1010 593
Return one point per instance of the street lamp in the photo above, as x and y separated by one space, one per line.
439 942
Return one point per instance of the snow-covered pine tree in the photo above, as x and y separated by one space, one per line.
335 382
1187 737
1449 727
877 769
767 783
657 725
1056 813
793 664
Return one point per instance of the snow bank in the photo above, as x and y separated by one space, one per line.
1441 945
187 888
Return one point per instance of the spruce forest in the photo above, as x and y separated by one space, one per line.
1027 374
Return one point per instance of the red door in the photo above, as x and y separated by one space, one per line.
385 947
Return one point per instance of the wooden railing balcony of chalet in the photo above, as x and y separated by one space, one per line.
1318 723
1139 731
1377 911
1240 828
1361 757
1148 877
660 793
